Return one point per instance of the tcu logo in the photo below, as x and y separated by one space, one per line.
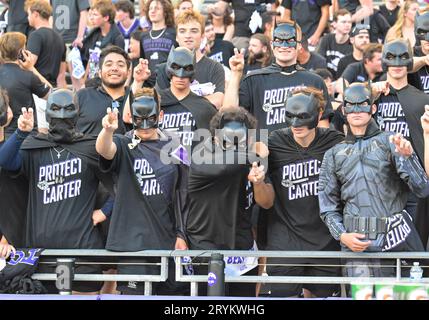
21 257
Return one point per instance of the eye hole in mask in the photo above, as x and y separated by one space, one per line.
290 43
301 116
390 56
189 68
175 66
404 56
54 107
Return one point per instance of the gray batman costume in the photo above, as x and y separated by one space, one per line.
363 188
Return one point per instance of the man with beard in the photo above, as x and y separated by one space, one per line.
296 154
93 102
263 92
364 184
368 69
184 111
63 176
400 110
359 37
151 196
220 170
260 54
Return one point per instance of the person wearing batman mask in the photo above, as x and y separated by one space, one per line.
224 184
420 79
264 91
364 184
63 177
400 110
184 111
296 154
151 193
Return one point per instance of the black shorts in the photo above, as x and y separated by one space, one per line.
307 267
48 265
170 287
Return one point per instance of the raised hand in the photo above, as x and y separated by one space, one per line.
29 62
141 71
402 145
110 120
236 62
424 119
256 174
26 120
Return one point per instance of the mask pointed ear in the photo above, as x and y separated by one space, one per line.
289 95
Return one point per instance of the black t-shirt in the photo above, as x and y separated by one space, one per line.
295 223
306 13
13 197
155 47
350 5
356 72
378 27
221 52
420 79
62 197
264 95
95 39
51 51
206 70
16 13
217 203
142 216
179 119
93 103
316 62
20 85
390 16
390 115
344 62
333 51
243 10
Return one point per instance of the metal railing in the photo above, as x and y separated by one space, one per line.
163 255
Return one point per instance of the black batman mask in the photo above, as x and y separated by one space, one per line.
421 26
397 53
181 63
285 35
357 98
62 114
302 110
145 112
232 135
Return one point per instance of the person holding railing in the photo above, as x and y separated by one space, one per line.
364 185
151 191
63 176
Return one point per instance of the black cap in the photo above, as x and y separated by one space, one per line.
359 28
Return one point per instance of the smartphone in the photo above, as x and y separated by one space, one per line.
21 55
